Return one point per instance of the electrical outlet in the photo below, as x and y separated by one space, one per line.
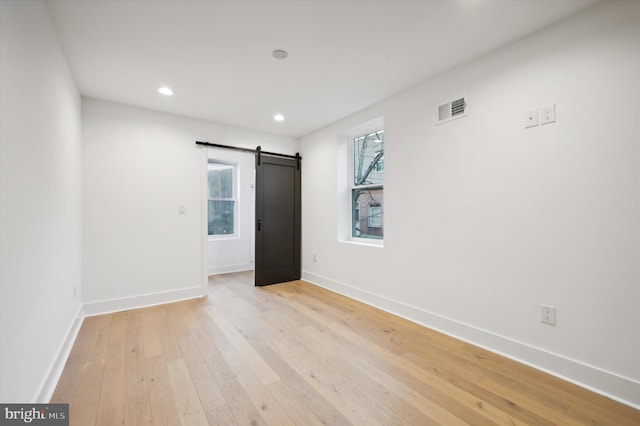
531 118
182 209
315 258
548 114
548 314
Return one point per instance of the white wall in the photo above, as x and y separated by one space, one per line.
138 167
485 220
40 209
233 254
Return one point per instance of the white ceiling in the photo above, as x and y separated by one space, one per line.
344 55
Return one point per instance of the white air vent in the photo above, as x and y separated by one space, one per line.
452 110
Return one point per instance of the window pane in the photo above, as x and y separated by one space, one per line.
368 208
368 159
220 177
221 217
375 216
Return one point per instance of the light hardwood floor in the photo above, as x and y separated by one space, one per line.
296 354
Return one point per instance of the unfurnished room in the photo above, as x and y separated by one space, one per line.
319 212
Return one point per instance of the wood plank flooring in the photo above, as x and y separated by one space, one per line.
296 354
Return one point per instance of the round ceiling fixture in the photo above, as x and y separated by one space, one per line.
164 90
279 54
278 117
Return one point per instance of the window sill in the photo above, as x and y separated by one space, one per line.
365 243
223 237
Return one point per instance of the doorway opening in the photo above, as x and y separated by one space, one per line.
252 214
230 211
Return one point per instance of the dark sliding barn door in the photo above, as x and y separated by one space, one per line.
277 220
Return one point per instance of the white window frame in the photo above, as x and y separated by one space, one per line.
234 185
352 185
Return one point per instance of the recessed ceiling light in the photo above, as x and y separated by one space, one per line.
279 54
164 90
278 117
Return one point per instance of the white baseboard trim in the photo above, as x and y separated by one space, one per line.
50 381
141 301
611 385
215 270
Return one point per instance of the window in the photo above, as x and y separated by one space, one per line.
375 216
222 198
367 200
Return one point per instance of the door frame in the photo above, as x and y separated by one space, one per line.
204 224
204 160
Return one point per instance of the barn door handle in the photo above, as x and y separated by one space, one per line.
259 224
